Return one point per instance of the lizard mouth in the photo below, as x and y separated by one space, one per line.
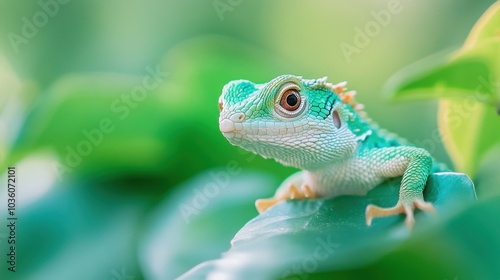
231 129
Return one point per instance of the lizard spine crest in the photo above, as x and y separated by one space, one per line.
340 89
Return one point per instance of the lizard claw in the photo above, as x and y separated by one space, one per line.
373 211
292 192
264 203
308 193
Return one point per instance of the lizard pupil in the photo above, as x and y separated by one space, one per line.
290 100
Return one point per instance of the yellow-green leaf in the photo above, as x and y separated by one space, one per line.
487 27
473 70
468 130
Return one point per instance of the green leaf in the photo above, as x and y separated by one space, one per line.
467 130
486 28
199 219
473 72
471 75
94 224
330 235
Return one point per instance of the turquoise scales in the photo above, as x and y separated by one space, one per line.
316 126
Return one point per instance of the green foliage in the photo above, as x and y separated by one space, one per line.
100 223
56 123
179 112
470 79
198 220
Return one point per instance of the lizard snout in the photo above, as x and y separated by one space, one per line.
228 125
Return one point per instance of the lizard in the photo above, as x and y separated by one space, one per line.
316 126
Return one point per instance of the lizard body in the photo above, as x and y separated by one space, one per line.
316 126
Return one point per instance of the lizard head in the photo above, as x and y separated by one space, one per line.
298 122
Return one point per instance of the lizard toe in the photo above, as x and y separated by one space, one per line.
408 209
264 203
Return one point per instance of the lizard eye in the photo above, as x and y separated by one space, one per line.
290 100
289 103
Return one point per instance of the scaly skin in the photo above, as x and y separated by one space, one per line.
315 126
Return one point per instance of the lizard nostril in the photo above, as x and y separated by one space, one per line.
238 117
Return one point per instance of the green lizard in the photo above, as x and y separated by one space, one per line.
316 126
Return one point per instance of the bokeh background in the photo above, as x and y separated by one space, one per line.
108 109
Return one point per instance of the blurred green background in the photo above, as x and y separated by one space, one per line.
108 109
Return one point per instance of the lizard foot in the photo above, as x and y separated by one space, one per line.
292 192
373 211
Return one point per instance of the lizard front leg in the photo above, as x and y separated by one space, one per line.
415 166
297 186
